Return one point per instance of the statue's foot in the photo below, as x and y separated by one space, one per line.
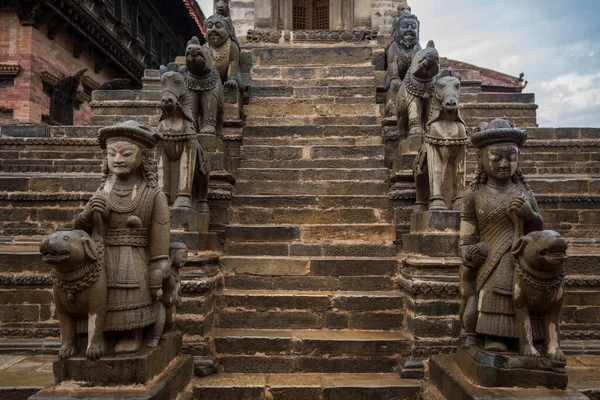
129 344
153 343
67 350
529 351
95 351
182 202
494 345
470 341
556 355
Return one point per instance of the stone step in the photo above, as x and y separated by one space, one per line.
264 121
282 282
265 216
315 82
55 165
126 95
334 248
250 152
43 182
316 188
318 301
323 110
312 72
326 386
313 266
324 201
322 163
313 141
563 133
287 56
315 99
308 342
506 98
311 131
311 174
45 131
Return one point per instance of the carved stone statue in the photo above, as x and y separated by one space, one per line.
79 290
399 55
498 208
184 163
225 52
166 307
416 90
538 290
440 165
131 213
221 7
205 88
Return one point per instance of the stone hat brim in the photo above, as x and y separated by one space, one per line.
132 131
491 136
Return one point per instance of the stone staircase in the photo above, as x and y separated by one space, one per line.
309 258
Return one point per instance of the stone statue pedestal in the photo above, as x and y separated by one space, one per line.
162 372
233 105
446 375
508 370
433 233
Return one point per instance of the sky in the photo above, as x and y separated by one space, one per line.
556 43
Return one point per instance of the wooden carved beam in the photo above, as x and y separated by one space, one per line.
57 28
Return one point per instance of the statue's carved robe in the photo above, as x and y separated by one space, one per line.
487 212
128 252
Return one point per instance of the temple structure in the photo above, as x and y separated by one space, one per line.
55 53
311 272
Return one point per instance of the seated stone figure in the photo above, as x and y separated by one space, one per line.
132 215
166 307
498 200
225 52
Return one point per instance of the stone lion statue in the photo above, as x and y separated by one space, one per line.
79 290
206 90
414 96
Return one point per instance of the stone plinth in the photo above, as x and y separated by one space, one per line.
507 370
189 219
116 370
446 375
168 385
433 233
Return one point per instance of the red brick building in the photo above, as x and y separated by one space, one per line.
44 44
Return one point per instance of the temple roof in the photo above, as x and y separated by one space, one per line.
491 81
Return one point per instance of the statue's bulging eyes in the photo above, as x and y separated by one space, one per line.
66 238
219 25
442 85
209 25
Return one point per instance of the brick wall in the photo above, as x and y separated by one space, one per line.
35 52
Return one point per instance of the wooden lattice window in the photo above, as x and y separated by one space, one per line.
321 14
300 13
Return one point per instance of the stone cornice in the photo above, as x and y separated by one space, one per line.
9 69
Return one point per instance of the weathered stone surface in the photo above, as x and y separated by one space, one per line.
352 267
265 266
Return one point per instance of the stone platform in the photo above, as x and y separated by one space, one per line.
446 375
494 370
115 370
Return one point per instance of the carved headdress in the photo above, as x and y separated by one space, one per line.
498 131
133 131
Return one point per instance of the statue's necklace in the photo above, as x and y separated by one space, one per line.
225 54
134 203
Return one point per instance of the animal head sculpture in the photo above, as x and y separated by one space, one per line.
198 60
542 250
405 31
447 91
222 7
217 30
68 251
426 63
172 86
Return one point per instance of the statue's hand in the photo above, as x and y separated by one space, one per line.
231 83
520 207
395 84
97 203
156 294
